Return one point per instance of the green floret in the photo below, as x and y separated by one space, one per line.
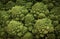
29 19
43 26
2 32
28 35
55 13
55 23
41 15
57 28
1 5
16 28
18 12
24 2
28 5
38 8
50 36
57 31
47 1
4 17
21 2
50 6
57 2
9 5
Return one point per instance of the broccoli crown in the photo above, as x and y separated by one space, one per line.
18 12
57 28
28 5
21 2
16 28
4 16
29 18
39 8
9 5
2 32
50 36
55 13
44 26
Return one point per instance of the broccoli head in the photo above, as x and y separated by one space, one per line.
16 28
29 19
55 13
28 5
43 26
21 2
18 12
50 36
9 5
2 32
38 8
4 17
57 28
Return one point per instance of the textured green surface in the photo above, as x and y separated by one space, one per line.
29 19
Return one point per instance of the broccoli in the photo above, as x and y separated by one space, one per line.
28 5
21 2
2 6
43 26
9 5
18 12
55 23
55 13
2 32
50 36
57 28
29 19
39 8
4 17
50 6
16 28
28 35
57 2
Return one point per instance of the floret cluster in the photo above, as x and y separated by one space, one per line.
29 19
